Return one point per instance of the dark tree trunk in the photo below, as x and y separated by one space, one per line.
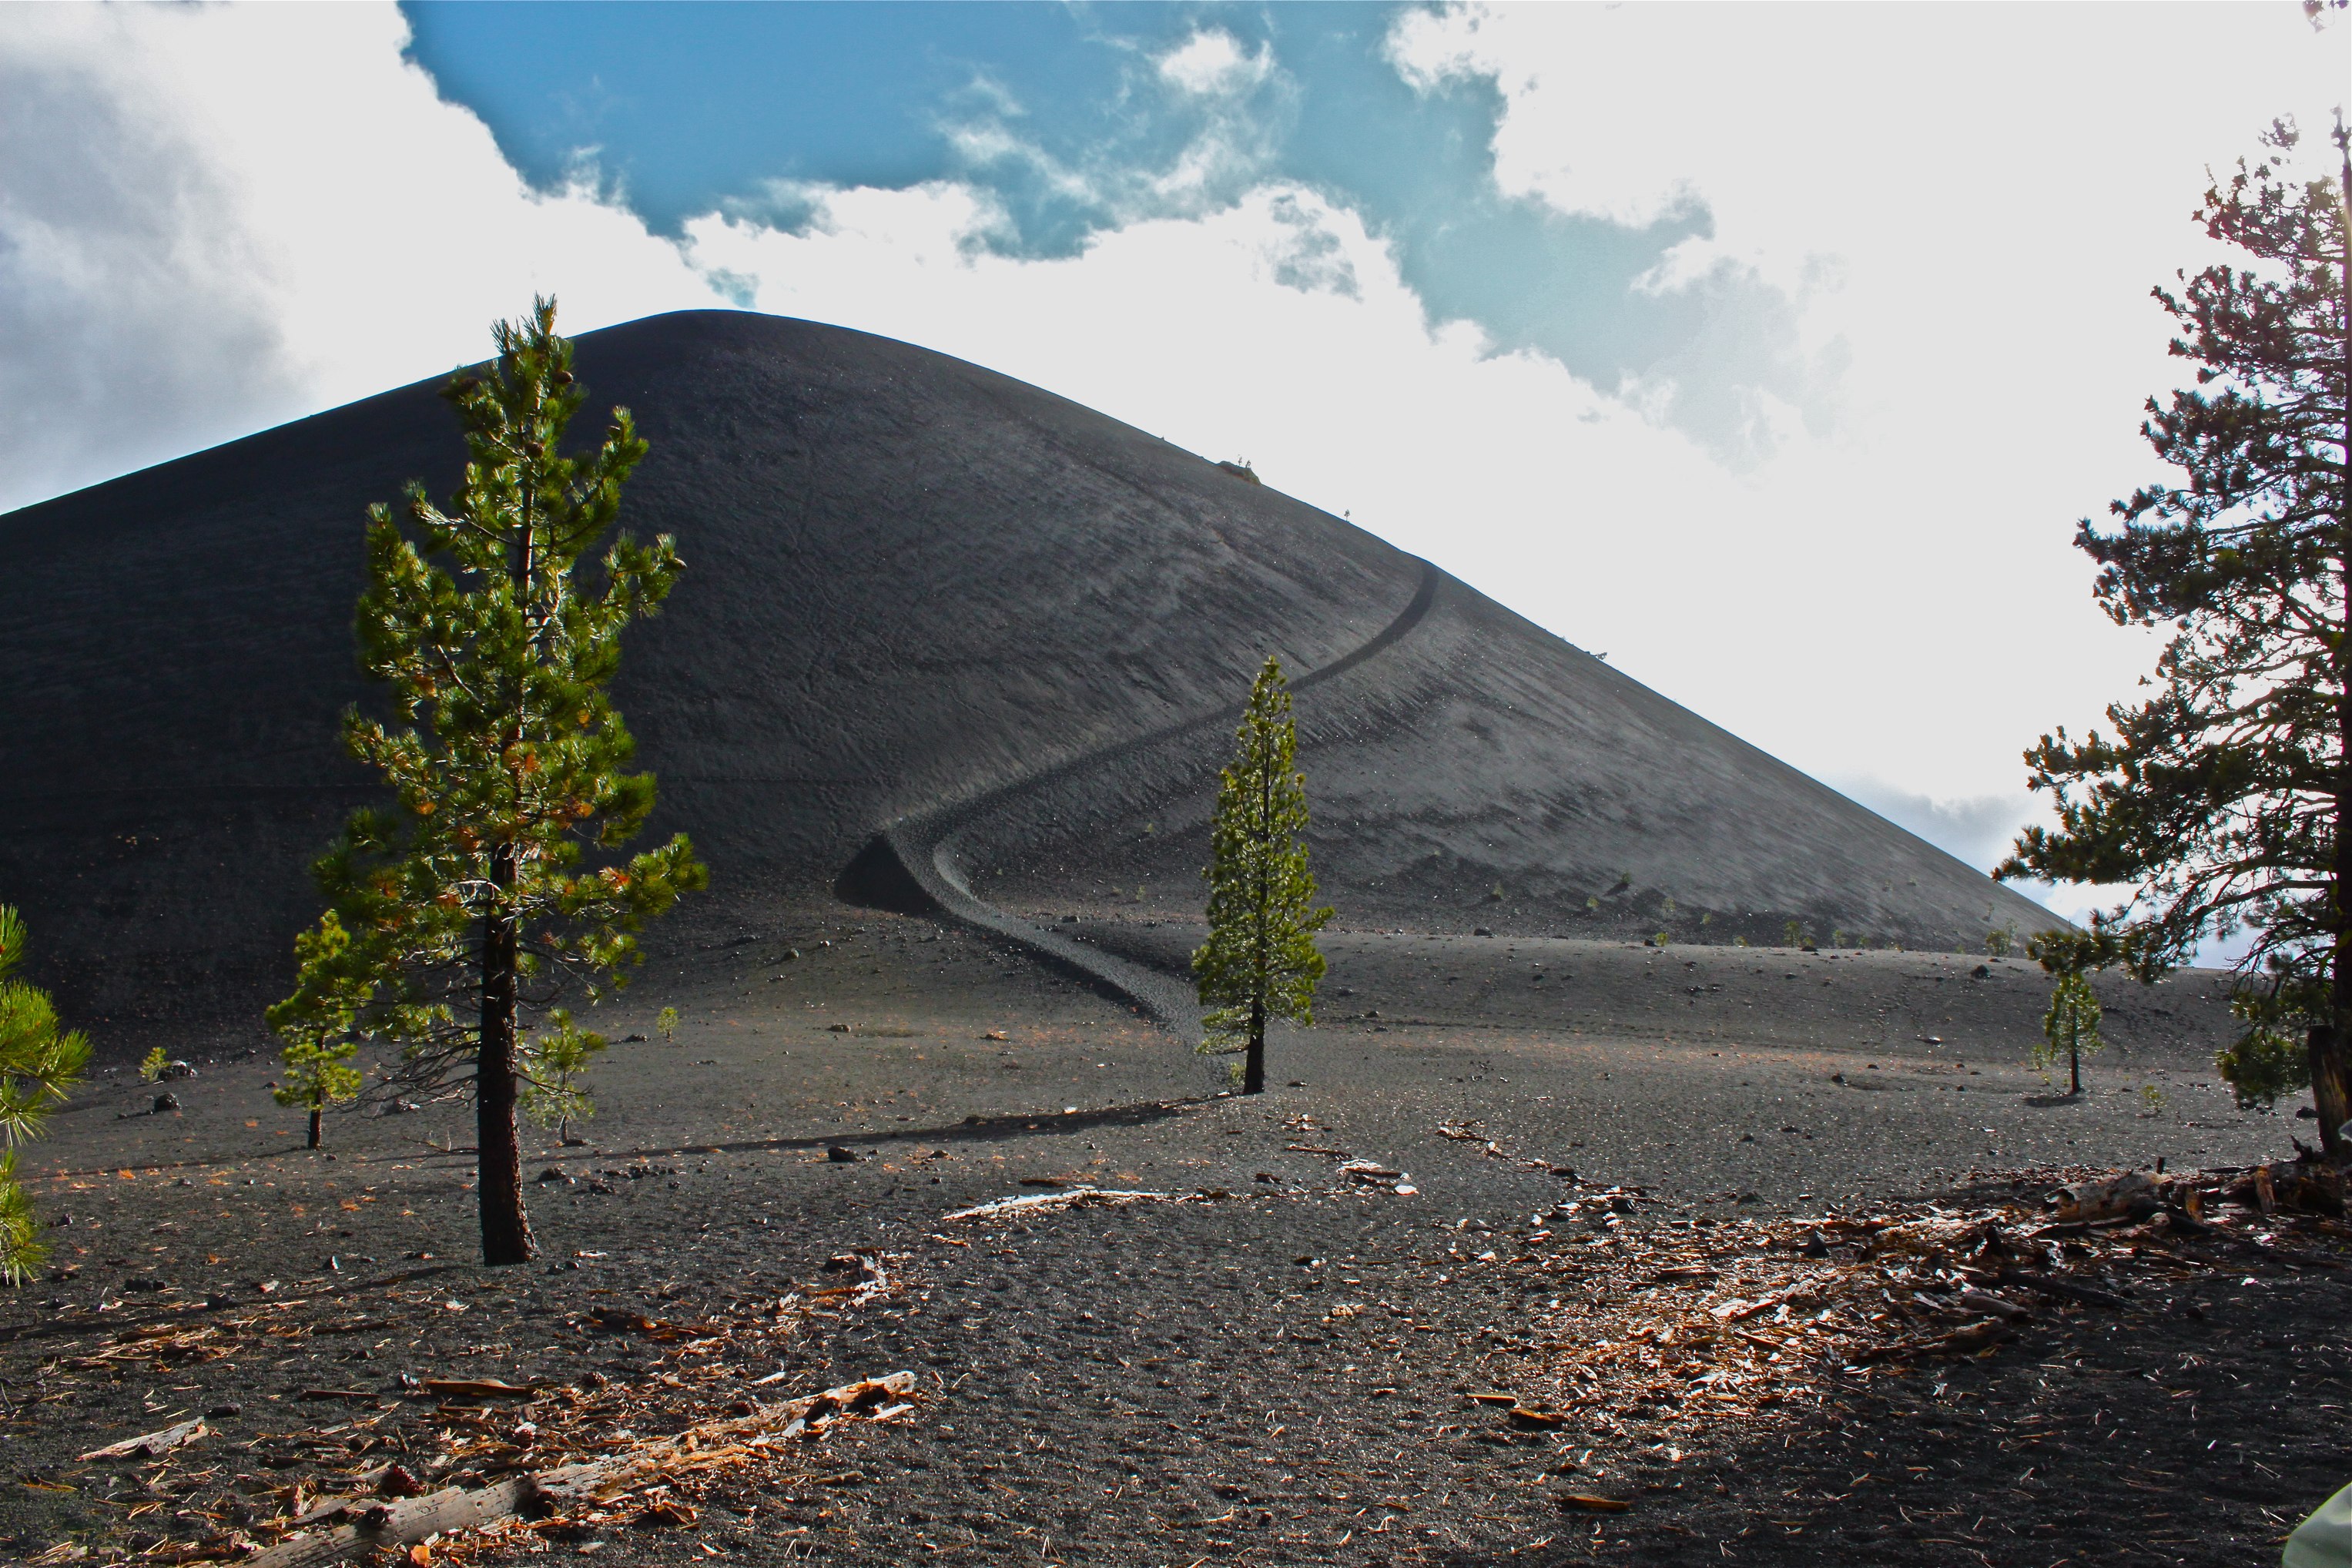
2331 1094
506 1230
2073 1069
318 1127
2331 1075
1254 1064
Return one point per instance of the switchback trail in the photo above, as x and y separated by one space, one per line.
914 865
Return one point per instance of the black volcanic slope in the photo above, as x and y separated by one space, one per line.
918 593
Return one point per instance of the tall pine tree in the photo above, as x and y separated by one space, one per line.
38 1064
1260 961
490 890
2224 796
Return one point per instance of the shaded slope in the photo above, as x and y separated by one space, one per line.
913 585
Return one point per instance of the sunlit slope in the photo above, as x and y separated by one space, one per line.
913 588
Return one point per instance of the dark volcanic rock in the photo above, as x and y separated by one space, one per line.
914 587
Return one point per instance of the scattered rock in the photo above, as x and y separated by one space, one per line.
165 1101
841 1156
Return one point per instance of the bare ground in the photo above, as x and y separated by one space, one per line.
1175 1382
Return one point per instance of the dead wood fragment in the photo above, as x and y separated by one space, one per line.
1973 1337
1080 1197
1997 1306
401 1525
2102 1195
599 1478
478 1388
155 1445
1731 1312
2064 1290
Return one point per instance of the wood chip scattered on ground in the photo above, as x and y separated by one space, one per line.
1660 1331
476 1463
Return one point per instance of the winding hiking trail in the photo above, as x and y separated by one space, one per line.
916 864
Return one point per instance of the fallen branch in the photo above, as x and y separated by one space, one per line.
2063 1289
1078 1197
153 1446
1975 1336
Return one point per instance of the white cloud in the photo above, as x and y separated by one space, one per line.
1967 206
212 219
1211 63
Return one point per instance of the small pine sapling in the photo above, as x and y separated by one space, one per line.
666 1024
319 1041
154 1065
2070 1027
39 1065
1260 961
553 1065
317 1074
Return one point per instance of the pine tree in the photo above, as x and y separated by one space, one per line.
2070 1027
38 1065
2223 796
468 902
1260 961
553 1094
320 1042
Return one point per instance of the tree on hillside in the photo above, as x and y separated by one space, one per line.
38 1064
1260 961
2224 795
471 901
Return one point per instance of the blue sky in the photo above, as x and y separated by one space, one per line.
687 108
1773 350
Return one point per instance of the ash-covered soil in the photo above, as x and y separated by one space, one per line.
1176 1381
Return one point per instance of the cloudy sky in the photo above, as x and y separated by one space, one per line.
1773 350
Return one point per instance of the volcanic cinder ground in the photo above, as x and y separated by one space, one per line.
940 699
1165 1383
